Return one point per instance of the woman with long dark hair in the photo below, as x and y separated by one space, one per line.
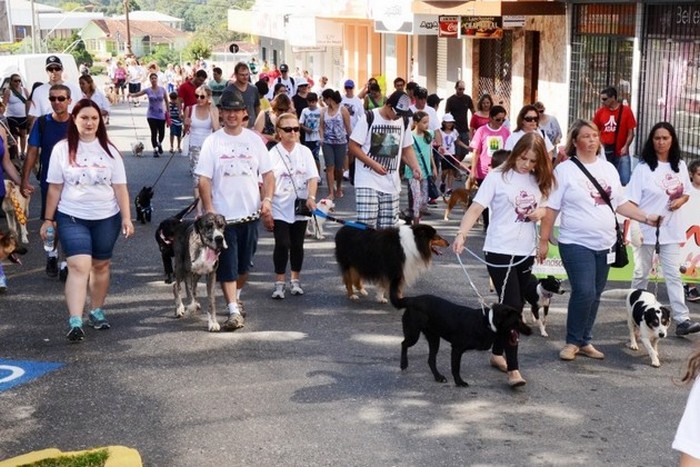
88 204
660 183
334 130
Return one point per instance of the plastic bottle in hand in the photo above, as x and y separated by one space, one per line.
50 237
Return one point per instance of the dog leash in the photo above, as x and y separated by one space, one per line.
357 225
163 170
133 122
458 168
482 301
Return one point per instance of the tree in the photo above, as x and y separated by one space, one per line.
199 47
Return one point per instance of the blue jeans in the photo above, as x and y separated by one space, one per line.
88 237
588 273
623 164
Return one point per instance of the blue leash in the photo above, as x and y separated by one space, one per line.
357 225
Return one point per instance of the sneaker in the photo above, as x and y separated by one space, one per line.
52 266
97 319
692 294
63 272
160 149
591 352
172 151
296 288
3 284
233 322
279 290
241 308
155 152
569 352
687 327
76 332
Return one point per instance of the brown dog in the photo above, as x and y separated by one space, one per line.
16 209
10 247
461 196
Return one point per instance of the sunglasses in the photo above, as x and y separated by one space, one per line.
16 80
541 111
461 89
289 129
200 96
54 69
498 120
530 119
58 98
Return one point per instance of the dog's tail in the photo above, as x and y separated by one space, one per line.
398 302
615 294
180 215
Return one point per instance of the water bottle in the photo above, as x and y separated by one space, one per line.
50 237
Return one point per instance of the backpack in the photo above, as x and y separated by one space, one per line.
369 115
279 81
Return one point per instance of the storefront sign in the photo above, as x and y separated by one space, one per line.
448 26
681 21
482 27
512 22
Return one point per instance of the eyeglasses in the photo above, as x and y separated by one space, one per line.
16 80
461 89
604 99
531 119
541 111
201 96
289 129
53 69
58 98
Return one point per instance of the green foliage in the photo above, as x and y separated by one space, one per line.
199 47
88 459
162 55
76 46
98 70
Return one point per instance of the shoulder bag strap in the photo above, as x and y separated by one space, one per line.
19 95
595 183
420 153
289 171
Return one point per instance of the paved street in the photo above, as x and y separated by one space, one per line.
312 380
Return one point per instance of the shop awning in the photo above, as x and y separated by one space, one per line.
490 8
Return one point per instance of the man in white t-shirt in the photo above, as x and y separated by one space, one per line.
378 147
231 162
421 96
40 97
352 103
285 79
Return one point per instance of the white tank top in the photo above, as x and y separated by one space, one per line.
199 128
15 107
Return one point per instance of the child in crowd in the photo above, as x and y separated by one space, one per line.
691 291
450 139
422 144
309 122
175 119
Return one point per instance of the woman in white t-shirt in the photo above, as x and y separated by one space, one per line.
660 183
528 122
296 177
587 232
515 193
88 204
687 439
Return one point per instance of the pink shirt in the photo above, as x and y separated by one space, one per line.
486 141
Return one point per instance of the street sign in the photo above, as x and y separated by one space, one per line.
233 48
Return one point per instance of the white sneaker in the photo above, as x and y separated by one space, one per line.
296 288
279 290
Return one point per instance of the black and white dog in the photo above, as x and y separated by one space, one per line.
196 247
539 293
143 206
648 318
463 327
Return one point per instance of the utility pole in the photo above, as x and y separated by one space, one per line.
129 53
34 23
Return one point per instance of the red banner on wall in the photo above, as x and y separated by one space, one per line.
449 26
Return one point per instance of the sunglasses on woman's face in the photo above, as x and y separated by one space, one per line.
289 129
58 98
531 119
16 80
200 96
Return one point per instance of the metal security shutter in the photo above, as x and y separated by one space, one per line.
442 63
495 64
670 78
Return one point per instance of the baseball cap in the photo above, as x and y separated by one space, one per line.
420 93
53 60
434 100
349 83
301 82
231 100
448 118
401 103
284 68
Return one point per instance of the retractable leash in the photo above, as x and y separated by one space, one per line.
357 225
133 121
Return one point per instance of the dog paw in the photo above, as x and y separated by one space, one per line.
655 364
632 346
214 326
440 379
180 311
363 292
353 297
543 333
461 384
193 309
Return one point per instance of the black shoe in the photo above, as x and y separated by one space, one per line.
160 149
63 273
52 266
692 294
687 327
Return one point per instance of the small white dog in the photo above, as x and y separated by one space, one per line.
648 319
16 209
314 228
137 149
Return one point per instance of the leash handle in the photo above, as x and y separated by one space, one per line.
357 225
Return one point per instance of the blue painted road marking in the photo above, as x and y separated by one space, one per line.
15 372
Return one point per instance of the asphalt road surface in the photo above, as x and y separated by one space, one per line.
314 379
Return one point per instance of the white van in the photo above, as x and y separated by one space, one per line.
32 68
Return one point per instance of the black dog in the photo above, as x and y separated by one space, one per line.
465 328
142 202
165 235
538 293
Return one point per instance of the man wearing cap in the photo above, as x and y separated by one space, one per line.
250 93
377 149
458 105
353 103
231 161
40 97
285 79
300 103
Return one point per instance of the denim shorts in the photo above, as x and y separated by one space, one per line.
88 237
242 240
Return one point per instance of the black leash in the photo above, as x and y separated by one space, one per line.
657 245
163 171
357 225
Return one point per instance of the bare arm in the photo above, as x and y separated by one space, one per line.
29 163
346 120
7 164
205 193
468 220
546 227
122 194
52 197
629 209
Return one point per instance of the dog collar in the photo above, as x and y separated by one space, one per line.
488 317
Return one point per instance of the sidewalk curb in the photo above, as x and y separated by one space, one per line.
119 456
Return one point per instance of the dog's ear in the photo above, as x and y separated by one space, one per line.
665 312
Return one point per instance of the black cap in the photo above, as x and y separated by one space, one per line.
231 100
401 103
434 100
53 60
284 68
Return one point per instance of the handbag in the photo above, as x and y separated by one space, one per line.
300 207
620 250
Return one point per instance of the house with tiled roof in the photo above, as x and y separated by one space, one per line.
108 37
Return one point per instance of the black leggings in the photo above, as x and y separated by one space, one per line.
157 131
513 296
289 245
